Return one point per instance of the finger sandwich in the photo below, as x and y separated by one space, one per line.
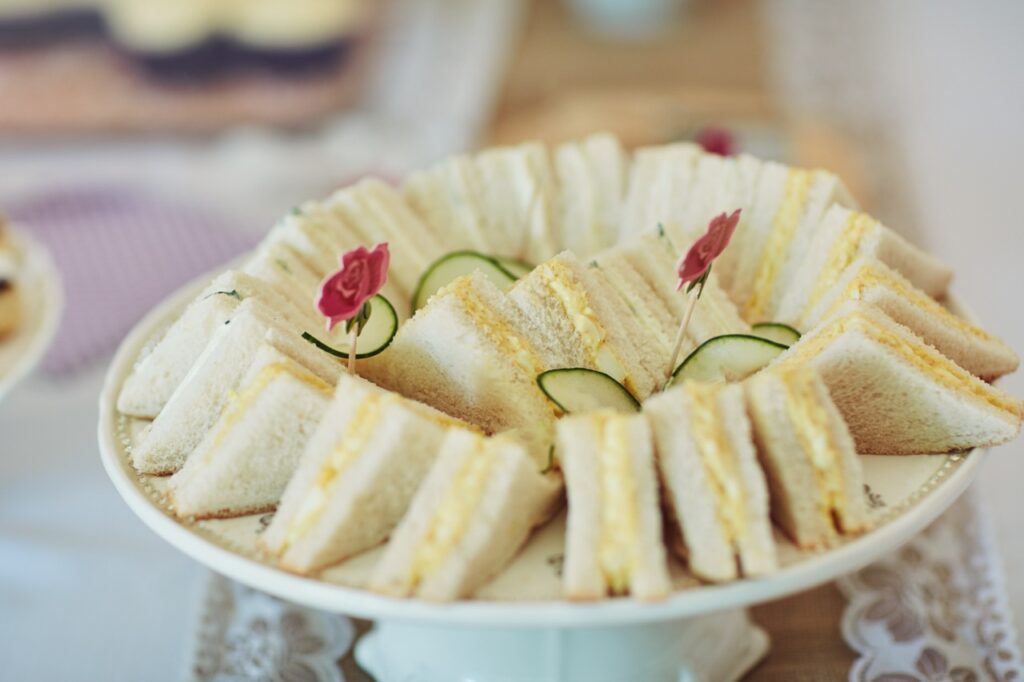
875 284
245 460
815 480
714 486
897 394
614 535
198 401
476 509
361 468
843 237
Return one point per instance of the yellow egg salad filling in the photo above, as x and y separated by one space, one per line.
452 516
841 255
559 280
357 432
870 276
920 355
786 220
810 421
508 342
711 437
617 552
242 401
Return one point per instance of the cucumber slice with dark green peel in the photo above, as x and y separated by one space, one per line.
776 331
731 357
451 266
577 389
517 268
377 335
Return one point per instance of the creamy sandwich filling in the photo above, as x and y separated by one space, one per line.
239 403
353 439
841 255
784 226
871 277
618 553
559 280
921 356
811 423
451 517
718 458
509 343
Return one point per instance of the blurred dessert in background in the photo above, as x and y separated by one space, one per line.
189 65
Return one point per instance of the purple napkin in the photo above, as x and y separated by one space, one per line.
120 252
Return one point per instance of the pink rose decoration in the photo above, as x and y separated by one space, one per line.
698 259
362 274
716 141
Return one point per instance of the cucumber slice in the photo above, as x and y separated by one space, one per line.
577 389
731 357
517 268
377 335
451 266
776 331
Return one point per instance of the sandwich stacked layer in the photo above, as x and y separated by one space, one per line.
614 536
364 463
470 517
814 478
714 486
843 237
898 394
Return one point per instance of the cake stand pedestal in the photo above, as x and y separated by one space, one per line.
720 647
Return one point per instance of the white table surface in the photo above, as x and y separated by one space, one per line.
87 593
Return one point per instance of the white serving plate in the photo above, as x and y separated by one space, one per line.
42 301
517 627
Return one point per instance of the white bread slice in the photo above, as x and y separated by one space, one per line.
198 401
466 353
786 214
872 282
355 481
568 306
447 197
302 232
844 236
521 199
724 184
158 373
713 483
899 395
654 257
377 213
277 264
649 312
592 175
661 181
815 480
613 540
244 462
474 511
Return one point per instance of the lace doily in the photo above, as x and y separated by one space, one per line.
936 609
247 635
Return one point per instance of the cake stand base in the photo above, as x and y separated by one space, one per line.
720 647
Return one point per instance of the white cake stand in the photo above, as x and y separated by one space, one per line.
42 301
517 629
